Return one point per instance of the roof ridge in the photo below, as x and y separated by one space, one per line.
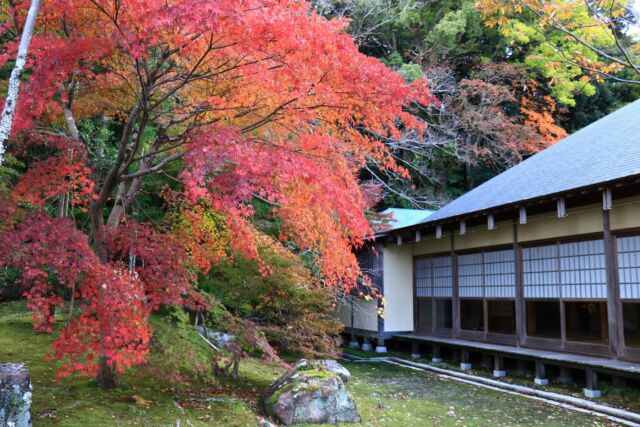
605 150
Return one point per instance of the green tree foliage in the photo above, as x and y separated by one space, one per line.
291 307
506 83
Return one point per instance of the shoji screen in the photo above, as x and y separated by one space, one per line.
442 277
583 273
433 277
541 272
489 274
470 280
424 277
500 274
628 249
573 270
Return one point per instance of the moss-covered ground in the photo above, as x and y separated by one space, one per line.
158 394
176 385
627 398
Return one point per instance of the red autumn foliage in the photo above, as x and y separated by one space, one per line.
260 98
52 252
158 259
65 171
113 324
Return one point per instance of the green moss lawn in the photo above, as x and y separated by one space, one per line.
176 385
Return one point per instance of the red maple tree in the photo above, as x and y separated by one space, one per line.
257 99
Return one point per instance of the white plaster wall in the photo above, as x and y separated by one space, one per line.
343 313
580 220
398 287
365 313
625 213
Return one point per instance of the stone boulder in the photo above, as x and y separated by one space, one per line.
310 394
330 364
15 395
219 339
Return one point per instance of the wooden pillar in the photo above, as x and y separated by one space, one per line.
415 295
563 315
485 311
366 345
565 376
521 368
498 366
434 308
380 345
379 265
618 383
415 350
541 375
591 390
614 313
455 300
354 341
465 361
520 305
436 357
486 361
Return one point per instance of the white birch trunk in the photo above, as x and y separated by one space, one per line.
14 80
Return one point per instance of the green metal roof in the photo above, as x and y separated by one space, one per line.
400 218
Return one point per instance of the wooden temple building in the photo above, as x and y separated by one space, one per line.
540 264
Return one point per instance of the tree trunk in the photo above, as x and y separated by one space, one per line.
107 377
14 80
97 237
119 208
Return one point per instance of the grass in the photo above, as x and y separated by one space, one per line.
627 398
176 385
390 395
157 394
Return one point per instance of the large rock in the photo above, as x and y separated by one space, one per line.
15 395
310 394
219 339
330 364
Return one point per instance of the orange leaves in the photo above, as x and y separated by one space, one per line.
539 115
263 99
313 188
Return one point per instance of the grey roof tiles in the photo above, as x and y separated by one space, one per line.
606 150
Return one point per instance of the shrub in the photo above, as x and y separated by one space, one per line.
281 297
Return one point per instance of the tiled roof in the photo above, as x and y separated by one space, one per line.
606 150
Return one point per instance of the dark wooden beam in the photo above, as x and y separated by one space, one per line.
614 314
436 356
415 350
541 375
520 305
591 390
498 367
455 300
